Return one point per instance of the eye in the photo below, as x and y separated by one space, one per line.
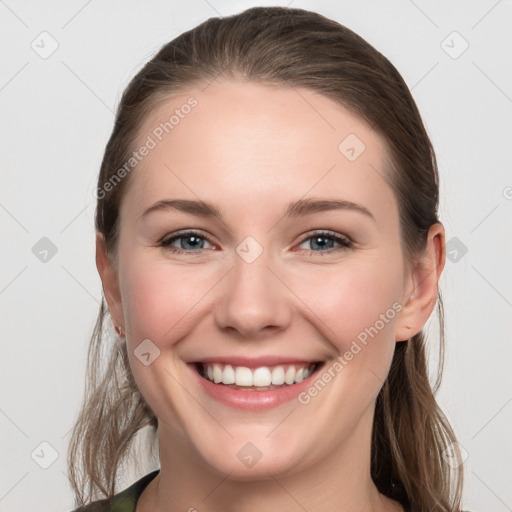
187 242
195 242
326 241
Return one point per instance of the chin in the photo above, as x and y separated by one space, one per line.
260 459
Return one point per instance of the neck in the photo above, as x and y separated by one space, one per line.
340 482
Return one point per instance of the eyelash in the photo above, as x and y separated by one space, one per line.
344 241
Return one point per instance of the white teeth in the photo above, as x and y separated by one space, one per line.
262 377
243 376
278 376
229 375
289 376
217 373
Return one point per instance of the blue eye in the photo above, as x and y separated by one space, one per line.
189 241
325 241
194 242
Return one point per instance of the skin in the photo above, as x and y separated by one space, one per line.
251 149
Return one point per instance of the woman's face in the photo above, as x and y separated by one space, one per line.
259 243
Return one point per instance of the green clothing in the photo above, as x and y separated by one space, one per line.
125 501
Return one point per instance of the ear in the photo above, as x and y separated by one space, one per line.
420 291
109 279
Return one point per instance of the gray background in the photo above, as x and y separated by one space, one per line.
57 115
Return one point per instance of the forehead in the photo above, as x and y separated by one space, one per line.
254 142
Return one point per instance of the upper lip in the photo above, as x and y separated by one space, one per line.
255 362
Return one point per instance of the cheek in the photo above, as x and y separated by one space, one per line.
357 302
162 303
160 299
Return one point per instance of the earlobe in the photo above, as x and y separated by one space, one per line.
109 278
421 288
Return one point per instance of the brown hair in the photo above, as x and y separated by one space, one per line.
301 49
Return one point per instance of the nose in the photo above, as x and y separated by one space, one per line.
255 302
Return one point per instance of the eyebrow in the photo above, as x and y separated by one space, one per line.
294 209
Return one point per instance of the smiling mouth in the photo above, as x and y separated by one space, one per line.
264 378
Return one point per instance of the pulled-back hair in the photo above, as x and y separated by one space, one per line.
293 47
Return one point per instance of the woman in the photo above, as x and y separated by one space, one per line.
270 251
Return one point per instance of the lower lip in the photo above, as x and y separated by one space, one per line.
254 400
